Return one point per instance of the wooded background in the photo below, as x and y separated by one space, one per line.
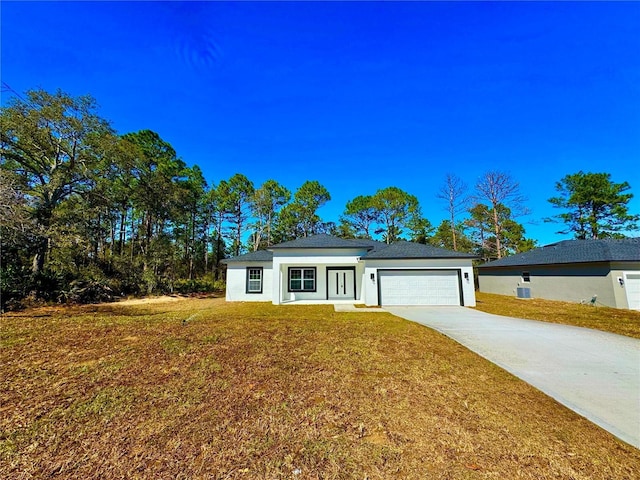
88 214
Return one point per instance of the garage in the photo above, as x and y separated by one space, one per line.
419 287
632 286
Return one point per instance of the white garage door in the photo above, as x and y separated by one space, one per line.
632 286
419 287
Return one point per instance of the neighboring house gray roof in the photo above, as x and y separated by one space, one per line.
575 251
259 256
325 241
403 249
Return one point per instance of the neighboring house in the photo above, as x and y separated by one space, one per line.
572 270
326 269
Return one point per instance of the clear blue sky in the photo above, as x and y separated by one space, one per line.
358 96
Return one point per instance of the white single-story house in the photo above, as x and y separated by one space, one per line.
327 269
605 271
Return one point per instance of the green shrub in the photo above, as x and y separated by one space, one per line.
15 284
81 291
90 285
203 285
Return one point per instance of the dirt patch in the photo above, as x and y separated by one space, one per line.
148 300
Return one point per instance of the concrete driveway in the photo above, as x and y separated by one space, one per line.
596 374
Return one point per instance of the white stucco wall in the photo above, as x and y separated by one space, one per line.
275 275
370 287
319 258
237 282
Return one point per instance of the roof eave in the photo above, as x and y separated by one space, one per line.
321 248
420 258
534 264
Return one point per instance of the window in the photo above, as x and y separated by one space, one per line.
302 279
526 277
254 280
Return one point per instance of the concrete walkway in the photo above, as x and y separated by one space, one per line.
594 373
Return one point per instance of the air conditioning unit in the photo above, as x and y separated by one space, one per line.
523 292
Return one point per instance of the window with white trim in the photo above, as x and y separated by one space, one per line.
526 277
302 279
254 279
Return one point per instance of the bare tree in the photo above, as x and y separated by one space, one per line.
454 193
499 189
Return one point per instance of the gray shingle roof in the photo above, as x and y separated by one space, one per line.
259 256
403 249
575 251
376 250
325 241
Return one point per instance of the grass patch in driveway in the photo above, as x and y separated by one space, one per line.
613 320
248 390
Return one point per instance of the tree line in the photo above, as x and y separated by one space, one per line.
88 213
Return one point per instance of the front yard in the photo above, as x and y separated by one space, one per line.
199 388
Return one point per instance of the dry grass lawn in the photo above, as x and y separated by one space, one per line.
200 388
614 320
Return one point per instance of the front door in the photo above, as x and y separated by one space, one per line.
341 284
